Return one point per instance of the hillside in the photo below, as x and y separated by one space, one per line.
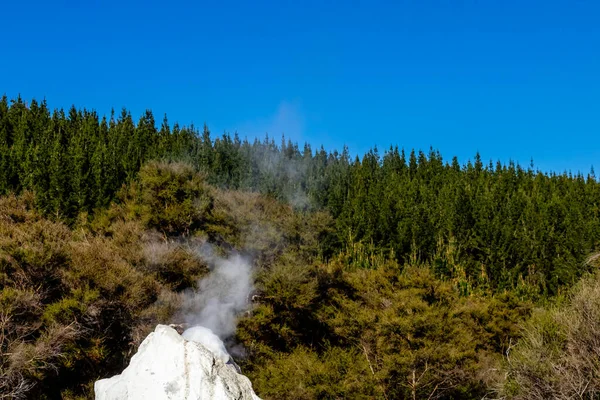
386 277
77 301
504 224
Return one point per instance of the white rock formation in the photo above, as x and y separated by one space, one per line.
168 367
208 339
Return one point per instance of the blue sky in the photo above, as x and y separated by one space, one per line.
510 79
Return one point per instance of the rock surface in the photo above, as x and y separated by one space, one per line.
167 366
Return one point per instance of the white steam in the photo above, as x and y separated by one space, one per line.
208 339
213 309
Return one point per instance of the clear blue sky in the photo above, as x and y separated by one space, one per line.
511 79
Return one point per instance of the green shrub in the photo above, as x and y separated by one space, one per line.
174 198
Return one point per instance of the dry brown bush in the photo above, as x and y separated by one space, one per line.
174 262
559 355
69 299
97 264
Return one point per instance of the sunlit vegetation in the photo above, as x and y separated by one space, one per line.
387 276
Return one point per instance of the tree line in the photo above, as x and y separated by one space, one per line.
482 225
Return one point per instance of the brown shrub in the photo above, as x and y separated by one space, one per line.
97 264
559 355
174 263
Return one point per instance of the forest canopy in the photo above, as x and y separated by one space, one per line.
497 225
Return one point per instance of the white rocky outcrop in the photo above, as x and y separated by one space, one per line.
169 367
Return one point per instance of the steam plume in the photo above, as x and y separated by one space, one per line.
220 297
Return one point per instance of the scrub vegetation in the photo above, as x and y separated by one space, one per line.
393 276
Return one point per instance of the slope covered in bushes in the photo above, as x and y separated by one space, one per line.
392 276
498 223
76 301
